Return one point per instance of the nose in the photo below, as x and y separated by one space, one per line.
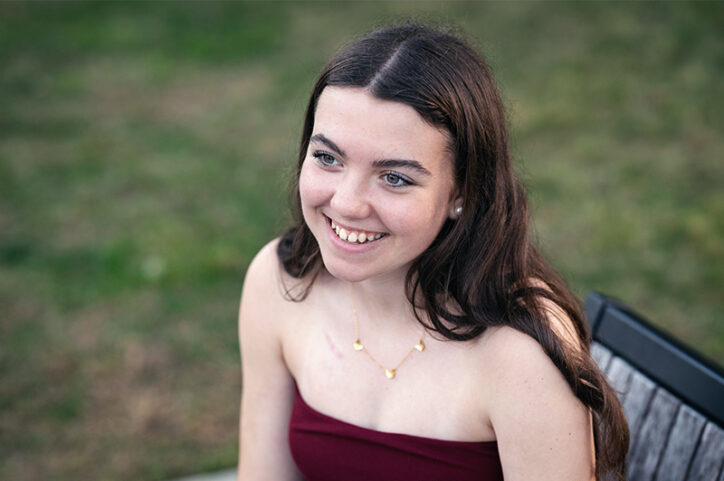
350 199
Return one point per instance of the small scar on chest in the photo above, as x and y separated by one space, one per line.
333 347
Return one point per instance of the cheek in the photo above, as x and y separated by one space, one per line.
421 217
311 190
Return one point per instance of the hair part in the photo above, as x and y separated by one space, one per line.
483 264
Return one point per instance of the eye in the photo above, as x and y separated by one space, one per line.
396 180
324 158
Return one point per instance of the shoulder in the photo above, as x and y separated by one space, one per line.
518 374
520 367
533 411
268 294
268 387
264 267
262 293
512 356
266 279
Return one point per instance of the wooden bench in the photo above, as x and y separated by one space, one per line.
673 398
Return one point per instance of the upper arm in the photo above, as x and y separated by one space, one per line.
543 430
268 389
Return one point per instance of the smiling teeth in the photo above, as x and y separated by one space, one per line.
354 237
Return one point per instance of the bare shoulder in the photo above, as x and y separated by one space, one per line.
266 283
262 304
268 388
510 353
263 270
259 298
537 419
523 375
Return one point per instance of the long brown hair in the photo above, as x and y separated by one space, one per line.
483 263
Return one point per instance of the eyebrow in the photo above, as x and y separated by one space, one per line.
397 163
324 140
379 164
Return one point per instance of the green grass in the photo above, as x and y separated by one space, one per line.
145 152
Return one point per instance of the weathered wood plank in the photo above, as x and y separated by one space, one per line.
707 464
601 355
619 375
654 431
675 411
636 403
699 384
681 445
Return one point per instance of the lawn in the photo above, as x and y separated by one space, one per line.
145 154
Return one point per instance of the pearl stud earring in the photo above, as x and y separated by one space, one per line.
458 210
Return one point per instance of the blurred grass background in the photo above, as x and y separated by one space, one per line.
145 152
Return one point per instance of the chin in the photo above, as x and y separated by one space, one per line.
344 270
346 273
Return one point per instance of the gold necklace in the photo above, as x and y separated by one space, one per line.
358 346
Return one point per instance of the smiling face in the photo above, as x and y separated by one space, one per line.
376 184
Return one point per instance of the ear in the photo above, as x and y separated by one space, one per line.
456 207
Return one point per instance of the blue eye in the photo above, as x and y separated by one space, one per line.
396 180
327 160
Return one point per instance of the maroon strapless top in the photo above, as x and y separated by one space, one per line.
327 449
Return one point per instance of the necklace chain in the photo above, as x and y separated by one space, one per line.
358 346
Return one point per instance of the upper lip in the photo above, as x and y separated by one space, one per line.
353 229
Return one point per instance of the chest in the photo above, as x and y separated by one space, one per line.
438 393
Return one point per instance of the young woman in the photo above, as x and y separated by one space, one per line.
405 327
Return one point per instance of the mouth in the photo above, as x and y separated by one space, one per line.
354 236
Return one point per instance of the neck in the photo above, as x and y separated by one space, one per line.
382 301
